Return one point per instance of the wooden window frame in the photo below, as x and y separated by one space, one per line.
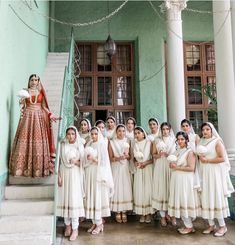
114 74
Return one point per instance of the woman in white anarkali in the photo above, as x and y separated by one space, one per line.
143 175
154 127
98 181
119 154
130 126
183 200
84 129
110 127
215 180
101 125
70 181
162 147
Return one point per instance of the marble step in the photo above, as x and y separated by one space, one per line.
29 191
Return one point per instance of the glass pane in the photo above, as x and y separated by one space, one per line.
84 97
193 57
210 58
213 117
194 90
210 90
123 57
196 118
121 116
103 61
86 57
104 91
124 91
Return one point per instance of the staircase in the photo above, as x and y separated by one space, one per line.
53 82
26 214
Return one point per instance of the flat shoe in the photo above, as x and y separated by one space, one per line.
163 222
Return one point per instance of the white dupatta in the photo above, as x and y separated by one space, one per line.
104 173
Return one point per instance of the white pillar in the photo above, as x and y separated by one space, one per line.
225 75
232 3
175 63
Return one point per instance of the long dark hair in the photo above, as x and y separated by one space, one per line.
185 121
185 135
30 77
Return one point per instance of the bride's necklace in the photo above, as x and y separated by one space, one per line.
36 96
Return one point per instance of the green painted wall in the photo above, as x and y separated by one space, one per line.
22 52
139 23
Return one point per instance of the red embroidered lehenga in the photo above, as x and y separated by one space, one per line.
33 150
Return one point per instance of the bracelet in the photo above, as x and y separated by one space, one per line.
49 114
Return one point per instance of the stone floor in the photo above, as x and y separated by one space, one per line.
135 233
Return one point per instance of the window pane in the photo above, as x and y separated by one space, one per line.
86 57
210 58
196 118
194 90
193 57
103 61
211 90
104 91
123 57
121 116
124 91
84 97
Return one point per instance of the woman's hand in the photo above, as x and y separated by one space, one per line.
52 117
163 154
173 165
156 156
59 181
75 162
203 159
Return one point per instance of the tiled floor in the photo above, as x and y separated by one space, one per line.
135 233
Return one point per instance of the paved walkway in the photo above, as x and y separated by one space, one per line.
153 234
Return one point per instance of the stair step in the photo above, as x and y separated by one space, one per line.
27 207
26 224
26 192
26 239
21 180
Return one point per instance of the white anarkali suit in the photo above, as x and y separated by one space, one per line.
110 133
183 198
122 199
215 183
71 193
162 174
85 136
142 187
130 135
98 182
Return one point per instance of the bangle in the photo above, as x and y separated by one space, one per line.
49 114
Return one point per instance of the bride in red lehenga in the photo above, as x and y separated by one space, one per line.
33 150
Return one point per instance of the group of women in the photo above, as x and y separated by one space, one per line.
120 168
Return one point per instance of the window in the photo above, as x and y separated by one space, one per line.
199 62
106 88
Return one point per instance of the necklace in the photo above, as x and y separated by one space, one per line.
36 96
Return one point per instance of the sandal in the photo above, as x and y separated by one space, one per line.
118 218
173 221
163 222
209 230
124 217
91 228
98 229
221 232
186 231
74 235
68 230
